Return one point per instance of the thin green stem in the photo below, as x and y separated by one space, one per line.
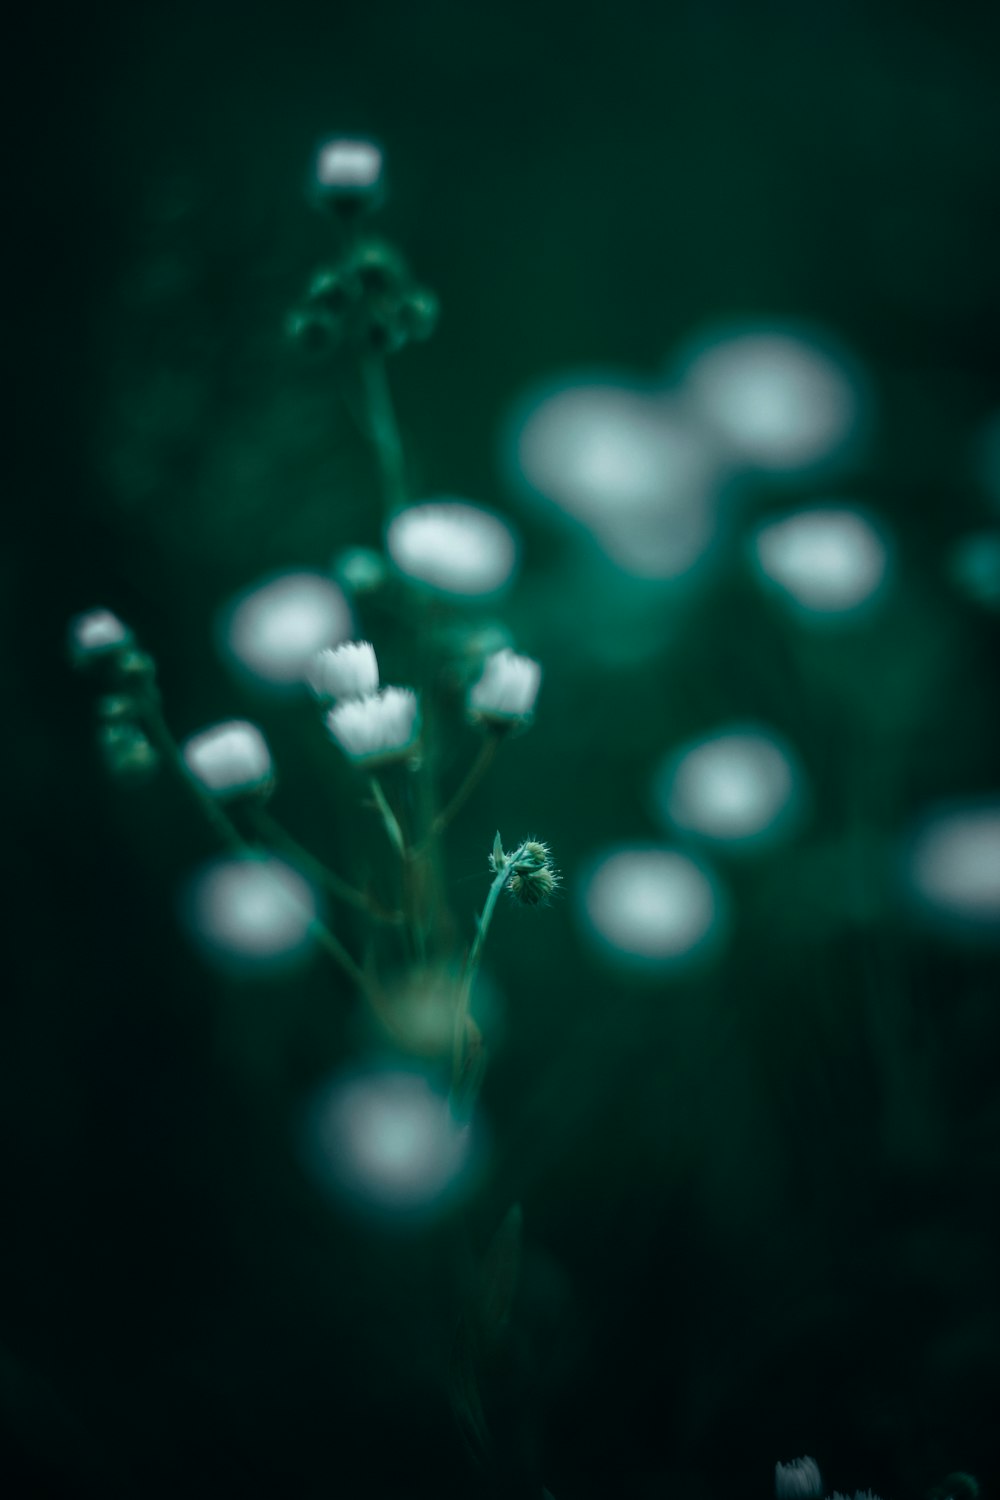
390 820
471 968
383 428
274 833
475 774
229 834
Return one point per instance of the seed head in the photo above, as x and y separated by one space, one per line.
532 877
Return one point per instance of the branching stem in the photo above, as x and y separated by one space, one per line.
229 835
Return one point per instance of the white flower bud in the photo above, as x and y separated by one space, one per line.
376 729
230 759
347 671
798 1480
96 633
507 689
453 547
349 171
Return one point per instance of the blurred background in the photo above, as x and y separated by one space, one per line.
720 314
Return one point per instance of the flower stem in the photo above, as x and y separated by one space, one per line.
229 834
392 828
471 968
475 774
383 428
270 829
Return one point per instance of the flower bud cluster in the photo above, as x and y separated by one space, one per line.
367 299
532 878
100 642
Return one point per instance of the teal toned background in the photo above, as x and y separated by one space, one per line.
760 1208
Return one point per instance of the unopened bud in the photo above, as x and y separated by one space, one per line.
349 175
126 750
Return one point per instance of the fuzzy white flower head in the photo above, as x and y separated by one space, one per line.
798 1480
95 633
376 729
453 547
230 759
350 167
507 689
347 671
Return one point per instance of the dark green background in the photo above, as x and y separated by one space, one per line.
760 1208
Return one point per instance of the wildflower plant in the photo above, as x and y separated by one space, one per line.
361 307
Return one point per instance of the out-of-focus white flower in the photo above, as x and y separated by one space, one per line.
776 399
653 907
349 170
230 759
741 787
386 1142
825 562
636 468
453 547
952 866
798 1480
507 689
274 629
251 914
95 633
376 729
347 671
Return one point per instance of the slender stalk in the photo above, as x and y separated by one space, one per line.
392 828
475 774
270 829
472 966
229 834
383 428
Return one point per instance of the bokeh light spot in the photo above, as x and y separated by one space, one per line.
630 466
273 630
952 867
741 787
453 547
825 562
777 400
251 915
654 906
384 1139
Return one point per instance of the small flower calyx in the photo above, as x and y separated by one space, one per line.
531 876
368 299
